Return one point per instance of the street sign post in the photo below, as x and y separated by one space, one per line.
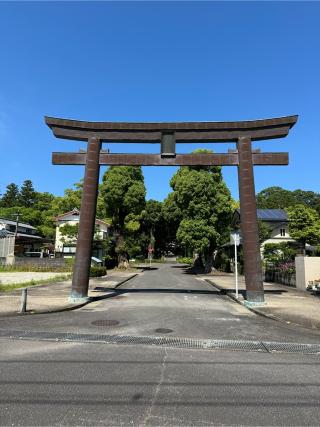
235 239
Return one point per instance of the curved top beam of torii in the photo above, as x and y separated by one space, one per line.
182 131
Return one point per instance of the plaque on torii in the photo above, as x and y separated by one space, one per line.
167 135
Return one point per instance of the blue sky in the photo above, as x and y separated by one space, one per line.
157 61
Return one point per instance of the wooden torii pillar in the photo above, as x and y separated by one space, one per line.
167 135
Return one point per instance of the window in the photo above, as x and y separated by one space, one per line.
69 249
282 232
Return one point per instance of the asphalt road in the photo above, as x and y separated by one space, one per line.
93 384
59 383
167 297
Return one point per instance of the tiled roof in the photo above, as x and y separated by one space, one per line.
21 224
74 211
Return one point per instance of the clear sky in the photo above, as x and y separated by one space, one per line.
157 61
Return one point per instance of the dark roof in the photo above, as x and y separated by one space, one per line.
21 224
271 214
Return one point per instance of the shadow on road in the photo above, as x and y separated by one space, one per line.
161 291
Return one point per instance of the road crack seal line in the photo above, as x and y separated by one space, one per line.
157 390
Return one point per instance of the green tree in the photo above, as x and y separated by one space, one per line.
10 197
308 198
44 204
33 207
69 233
27 195
124 192
264 231
72 200
304 225
153 225
279 198
204 201
172 216
274 198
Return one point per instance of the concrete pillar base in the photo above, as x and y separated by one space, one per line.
254 297
77 298
253 304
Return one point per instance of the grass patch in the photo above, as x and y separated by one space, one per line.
12 286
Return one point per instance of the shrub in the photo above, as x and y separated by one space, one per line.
279 253
222 262
287 267
98 271
185 260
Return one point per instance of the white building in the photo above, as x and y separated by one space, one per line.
276 219
66 247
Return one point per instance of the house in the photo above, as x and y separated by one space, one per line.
26 237
276 219
65 246
19 240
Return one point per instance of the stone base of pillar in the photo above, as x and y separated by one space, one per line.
252 304
75 297
255 297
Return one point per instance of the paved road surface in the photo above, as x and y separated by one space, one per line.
48 383
94 384
168 298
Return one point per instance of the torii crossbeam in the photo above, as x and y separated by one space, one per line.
168 134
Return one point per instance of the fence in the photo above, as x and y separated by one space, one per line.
45 262
281 277
6 248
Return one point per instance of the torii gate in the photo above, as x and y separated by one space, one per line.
167 134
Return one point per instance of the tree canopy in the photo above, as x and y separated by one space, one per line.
304 225
10 197
202 201
124 193
279 198
27 195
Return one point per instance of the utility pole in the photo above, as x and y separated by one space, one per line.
17 224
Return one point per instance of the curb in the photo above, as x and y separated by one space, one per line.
258 312
69 307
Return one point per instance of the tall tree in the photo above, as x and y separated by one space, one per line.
275 198
153 224
27 196
72 199
10 197
172 216
308 198
124 192
304 225
279 198
205 204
